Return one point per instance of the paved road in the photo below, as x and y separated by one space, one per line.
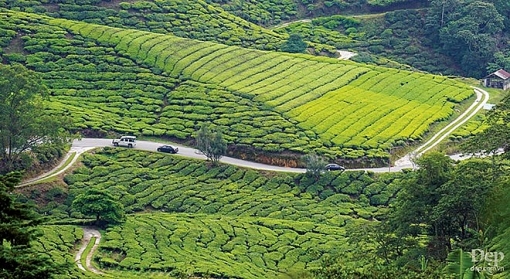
404 163
88 143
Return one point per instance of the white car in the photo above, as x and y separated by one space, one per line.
126 141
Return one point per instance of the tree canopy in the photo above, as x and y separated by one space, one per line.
443 200
211 143
314 165
467 31
294 44
24 124
18 227
100 204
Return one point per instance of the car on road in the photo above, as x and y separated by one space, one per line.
126 141
331 167
168 149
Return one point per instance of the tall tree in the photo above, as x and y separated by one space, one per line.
470 36
24 124
412 214
18 227
211 143
100 204
463 199
466 30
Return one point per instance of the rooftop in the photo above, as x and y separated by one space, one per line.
502 74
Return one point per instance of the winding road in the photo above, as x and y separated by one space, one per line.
80 146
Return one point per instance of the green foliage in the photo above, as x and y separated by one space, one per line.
445 202
296 90
473 23
266 12
19 228
166 183
496 136
101 205
314 164
294 44
197 20
24 125
243 247
459 264
211 143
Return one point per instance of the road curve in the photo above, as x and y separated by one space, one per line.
88 143
82 145
481 99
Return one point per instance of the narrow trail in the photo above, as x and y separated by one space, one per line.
88 234
482 97
60 168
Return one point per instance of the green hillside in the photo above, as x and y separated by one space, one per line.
189 19
239 223
302 103
159 69
215 245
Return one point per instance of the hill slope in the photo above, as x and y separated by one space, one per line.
186 217
156 84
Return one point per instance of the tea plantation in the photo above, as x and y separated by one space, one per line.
161 85
224 221
161 69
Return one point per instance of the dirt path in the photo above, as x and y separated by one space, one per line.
482 97
60 168
88 234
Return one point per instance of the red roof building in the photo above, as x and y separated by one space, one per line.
499 79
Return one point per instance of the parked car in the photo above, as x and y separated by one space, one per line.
331 167
126 141
168 149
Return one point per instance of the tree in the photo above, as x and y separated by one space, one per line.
314 165
494 138
412 213
18 227
294 44
444 201
100 204
463 198
211 143
24 123
469 35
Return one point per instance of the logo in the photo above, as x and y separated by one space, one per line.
485 261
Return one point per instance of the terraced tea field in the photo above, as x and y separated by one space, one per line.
226 221
345 104
58 243
162 85
143 180
215 245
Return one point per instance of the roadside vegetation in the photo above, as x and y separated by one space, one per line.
166 68
302 102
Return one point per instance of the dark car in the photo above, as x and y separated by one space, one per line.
331 167
168 149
